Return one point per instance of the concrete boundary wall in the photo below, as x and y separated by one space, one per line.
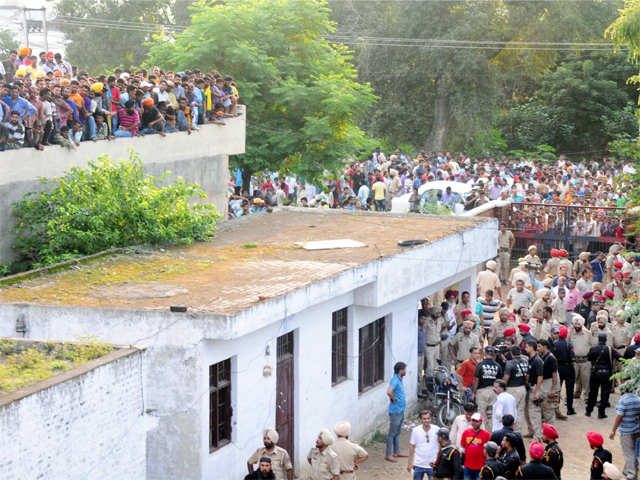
202 158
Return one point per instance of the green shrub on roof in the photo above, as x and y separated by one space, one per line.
109 204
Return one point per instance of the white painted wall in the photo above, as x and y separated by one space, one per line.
90 426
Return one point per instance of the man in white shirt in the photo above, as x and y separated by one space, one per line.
423 447
460 424
505 404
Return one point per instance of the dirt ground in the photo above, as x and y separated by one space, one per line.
577 454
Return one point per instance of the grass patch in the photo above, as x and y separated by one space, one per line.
249 245
20 367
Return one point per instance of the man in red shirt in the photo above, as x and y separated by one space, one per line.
467 370
473 440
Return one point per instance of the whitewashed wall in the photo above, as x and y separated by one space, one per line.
89 426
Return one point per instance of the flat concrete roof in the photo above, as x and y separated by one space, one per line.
251 259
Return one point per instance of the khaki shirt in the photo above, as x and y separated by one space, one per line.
538 308
461 307
567 263
324 465
497 329
595 331
581 341
464 343
280 461
505 238
487 280
552 266
621 335
433 329
347 452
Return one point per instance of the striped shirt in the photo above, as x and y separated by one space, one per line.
629 407
489 310
127 120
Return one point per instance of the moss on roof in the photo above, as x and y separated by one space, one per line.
24 365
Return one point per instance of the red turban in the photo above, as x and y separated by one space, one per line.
451 293
549 431
617 276
617 264
563 332
636 338
464 313
509 332
536 450
609 294
523 327
555 252
511 316
564 253
595 439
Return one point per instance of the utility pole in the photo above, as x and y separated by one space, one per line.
44 29
26 26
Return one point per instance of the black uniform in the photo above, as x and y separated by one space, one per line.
511 462
491 469
448 464
535 371
535 470
563 351
600 456
518 443
487 372
517 369
582 309
601 358
553 458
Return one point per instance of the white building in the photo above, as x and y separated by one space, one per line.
274 334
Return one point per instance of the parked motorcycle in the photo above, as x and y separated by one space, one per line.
441 392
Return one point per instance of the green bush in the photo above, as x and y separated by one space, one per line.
108 204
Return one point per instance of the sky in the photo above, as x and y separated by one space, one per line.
12 19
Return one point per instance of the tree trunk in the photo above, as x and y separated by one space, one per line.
246 180
440 127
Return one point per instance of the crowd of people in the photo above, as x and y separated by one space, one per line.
539 191
542 327
44 100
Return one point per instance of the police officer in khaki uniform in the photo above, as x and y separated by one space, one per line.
621 333
506 240
460 347
433 334
280 462
499 326
580 338
601 325
350 454
323 460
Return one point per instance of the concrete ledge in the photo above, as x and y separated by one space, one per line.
119 352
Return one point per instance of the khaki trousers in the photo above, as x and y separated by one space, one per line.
485 398
520 394
534 417
583 374
549 405
504 259
432 354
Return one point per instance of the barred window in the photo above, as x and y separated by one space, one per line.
220 411
339 346
371 355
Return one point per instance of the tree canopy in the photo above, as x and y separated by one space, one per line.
301 92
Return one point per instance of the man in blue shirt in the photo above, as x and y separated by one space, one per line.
598 267
628 423
18 104
398 403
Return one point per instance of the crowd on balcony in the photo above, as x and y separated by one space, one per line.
44 100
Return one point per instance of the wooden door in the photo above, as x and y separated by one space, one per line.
284 393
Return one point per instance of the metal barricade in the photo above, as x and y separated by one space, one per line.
575 228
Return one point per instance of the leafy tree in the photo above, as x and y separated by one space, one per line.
302 98
8 42
109 204
580 106
437 97
106 34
